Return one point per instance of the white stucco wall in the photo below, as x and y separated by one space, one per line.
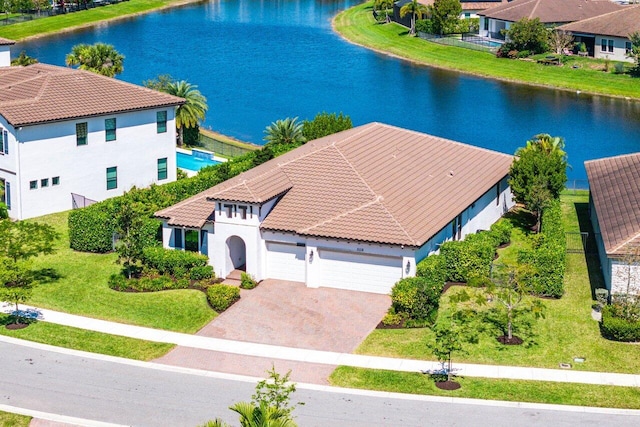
625 276
5 55
619 49
50 150
493 27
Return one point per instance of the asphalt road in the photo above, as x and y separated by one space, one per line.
134 394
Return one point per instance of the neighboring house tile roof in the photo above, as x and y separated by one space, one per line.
615 189
374 183
620 23
466 4
43 93
5 42
551 11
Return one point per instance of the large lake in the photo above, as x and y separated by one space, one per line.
259 61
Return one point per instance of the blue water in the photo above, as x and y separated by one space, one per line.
259 61
186 161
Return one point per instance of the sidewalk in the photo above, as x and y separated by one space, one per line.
331 358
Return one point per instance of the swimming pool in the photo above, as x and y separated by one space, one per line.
189 162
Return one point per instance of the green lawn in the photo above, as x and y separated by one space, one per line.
490 389
13 420
568 330
79 286
81 339
83 18
358 26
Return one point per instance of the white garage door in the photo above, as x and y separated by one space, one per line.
359 272
286 262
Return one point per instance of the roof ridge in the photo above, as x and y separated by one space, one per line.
533 11
343 214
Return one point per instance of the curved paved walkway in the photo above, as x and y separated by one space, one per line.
273 352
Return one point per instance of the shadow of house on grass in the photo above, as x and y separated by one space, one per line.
594 268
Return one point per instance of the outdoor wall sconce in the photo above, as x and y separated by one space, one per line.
310 257
408 267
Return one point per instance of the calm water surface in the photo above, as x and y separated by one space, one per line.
259 61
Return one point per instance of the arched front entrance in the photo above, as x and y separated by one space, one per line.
236 254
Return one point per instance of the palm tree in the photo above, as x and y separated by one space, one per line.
386 5
98 58
287 131
262 415
190 113
24 60
415 9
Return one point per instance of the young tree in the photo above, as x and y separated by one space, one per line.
384 5
130 229
635 52
22 240
448 340
561 40
262 415
527 34
415 9
16 283
324 124
275 391
99 58
445 15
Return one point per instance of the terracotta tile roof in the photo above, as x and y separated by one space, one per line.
195 212
374 183
615 189
481 5
5 42
620 23
551 11
43 93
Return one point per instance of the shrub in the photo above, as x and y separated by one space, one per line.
181 284
166 261
201 272
417 298
479 282
392 318
523 54
91 229
222 296
468 258
617 328
432 267
501 231
118 282
424 26
247 282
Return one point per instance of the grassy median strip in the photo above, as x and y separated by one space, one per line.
83 18
77 284
358 26
13 420
84 340
490 389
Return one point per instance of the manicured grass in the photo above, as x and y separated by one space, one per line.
79 286
490 389
81 339
229 140
13 420
53 24
568 330
358 26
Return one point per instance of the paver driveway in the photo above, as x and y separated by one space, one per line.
287 314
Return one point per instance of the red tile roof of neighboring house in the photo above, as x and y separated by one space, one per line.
619 23
41 93
551 11
374 183
615 189
5 42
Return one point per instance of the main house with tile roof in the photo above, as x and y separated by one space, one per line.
549 12
608 33
69 137
615 215
354 210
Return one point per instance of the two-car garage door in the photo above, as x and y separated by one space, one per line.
286 261
359 272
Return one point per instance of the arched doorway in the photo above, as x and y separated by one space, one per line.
236 254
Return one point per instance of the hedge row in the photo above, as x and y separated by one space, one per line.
547 258
618 329
176 263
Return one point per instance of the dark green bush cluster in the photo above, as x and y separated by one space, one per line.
222 297
545 263
169 261
617 328
91 229
501 231
470 257
417 298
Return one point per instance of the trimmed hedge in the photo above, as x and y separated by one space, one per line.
468 258
222 297
91 229
501 231
417 298
618 329
169 261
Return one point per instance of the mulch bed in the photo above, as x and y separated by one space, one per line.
15 326
383 326
513 341
447 385
450 284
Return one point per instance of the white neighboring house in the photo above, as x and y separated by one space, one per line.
354 210
71 137
5 52
549 12
614 207
608 33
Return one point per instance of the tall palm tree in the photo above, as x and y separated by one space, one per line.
386 5
415 9
287 131
190 113
98 58
262 415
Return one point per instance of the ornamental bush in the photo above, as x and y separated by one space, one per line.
200 272
618 329
501 231
469 258
222 297
91 229
417 298
433 268
166 261
247 281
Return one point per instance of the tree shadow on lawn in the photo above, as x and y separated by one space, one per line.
46 275
594 269
522 219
